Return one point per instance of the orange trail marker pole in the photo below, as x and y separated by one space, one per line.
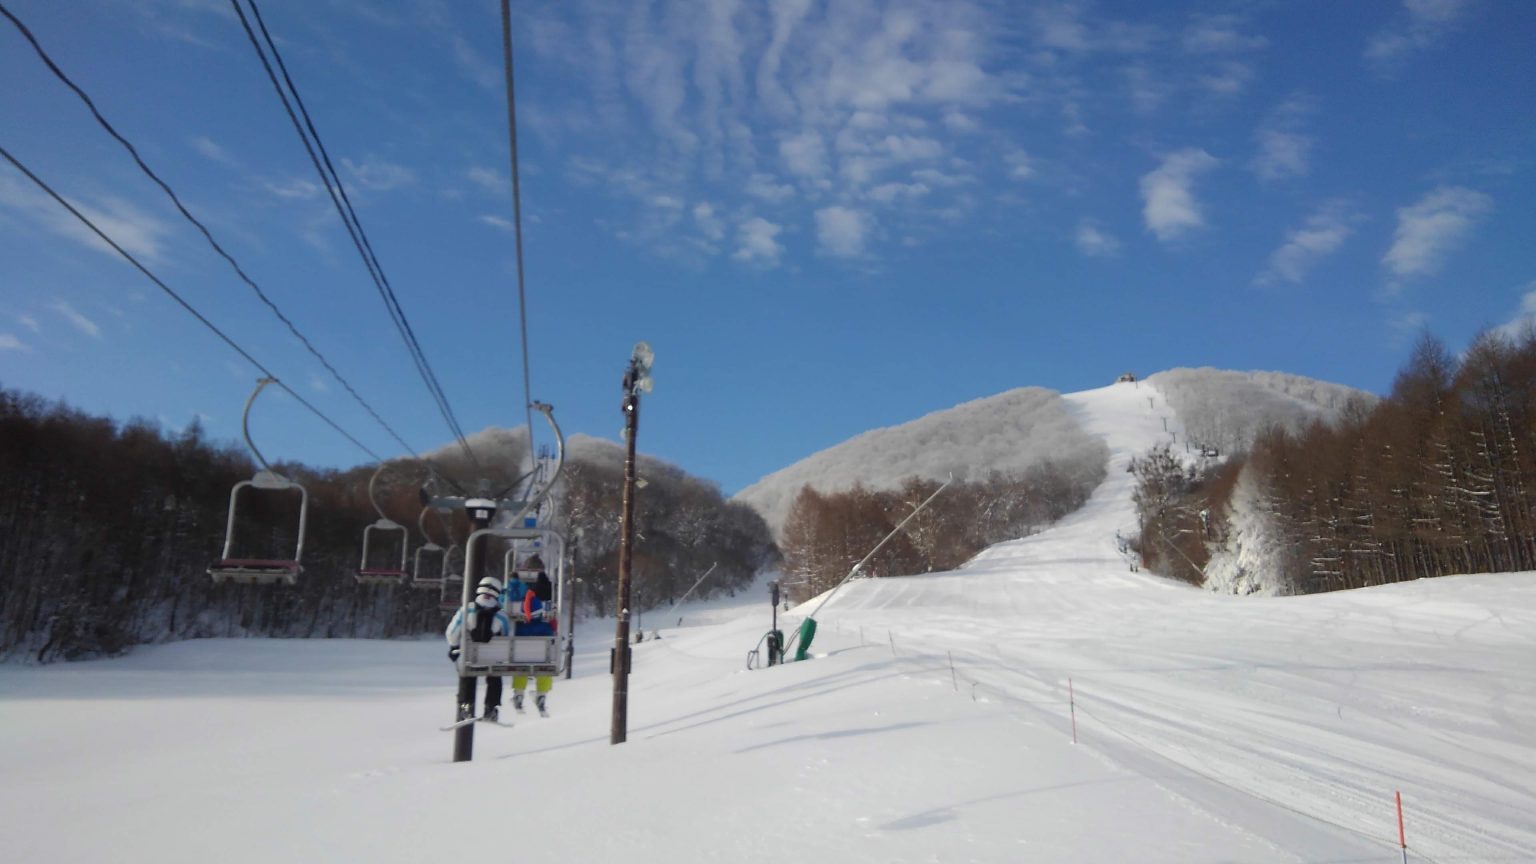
1402 838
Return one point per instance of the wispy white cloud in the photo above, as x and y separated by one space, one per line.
296 188
377 174
1220 34
1170 208
1228 78
805 154
213 152
317 384
489 180
1524 321
960 122
1020 166
80 322
889 193
1065 26
30 323
1095 242
1407 325
793 104
9 342
1284 151
708 222
842 231
757 242
1148 91
139 233
475 67
1320 236
495 221
766 187
942 179
1423 25
1434 227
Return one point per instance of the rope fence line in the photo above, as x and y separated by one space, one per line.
946 662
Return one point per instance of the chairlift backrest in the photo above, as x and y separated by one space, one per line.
375 574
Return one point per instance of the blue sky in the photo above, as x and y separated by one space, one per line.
825 217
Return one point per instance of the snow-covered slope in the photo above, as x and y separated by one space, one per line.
933 725
1297 717
1007 432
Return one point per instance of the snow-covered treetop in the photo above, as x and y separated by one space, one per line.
1228 410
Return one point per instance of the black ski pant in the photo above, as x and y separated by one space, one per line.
492 693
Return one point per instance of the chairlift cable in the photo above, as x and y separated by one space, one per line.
321 160
202 228
180 300
517 212
349 218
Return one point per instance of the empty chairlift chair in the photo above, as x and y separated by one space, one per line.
389 572
431 559
449 599
251 570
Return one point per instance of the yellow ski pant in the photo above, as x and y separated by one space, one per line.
543 683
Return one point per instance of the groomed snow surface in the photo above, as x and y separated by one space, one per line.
1211 729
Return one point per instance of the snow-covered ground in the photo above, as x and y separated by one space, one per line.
932 726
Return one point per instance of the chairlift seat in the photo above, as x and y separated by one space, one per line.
452 595
255 571
511 655
381 576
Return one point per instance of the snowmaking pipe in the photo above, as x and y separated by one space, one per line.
690 591
865 559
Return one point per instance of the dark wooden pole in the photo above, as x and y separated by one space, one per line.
620 731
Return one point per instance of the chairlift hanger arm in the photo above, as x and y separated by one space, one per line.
245 423
540 494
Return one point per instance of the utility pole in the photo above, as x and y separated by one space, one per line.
637 378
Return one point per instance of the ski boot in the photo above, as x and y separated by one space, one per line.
517 702
538 702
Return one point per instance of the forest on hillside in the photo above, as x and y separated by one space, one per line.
106 531
826 534
1438 478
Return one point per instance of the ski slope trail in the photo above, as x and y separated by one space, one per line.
1297 718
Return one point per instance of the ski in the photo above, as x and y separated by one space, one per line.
468 720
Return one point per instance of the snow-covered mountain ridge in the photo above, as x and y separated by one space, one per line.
1007 432
1019 428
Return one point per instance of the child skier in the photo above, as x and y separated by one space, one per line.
537 620
484 618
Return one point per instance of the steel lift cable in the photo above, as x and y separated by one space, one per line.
321 160
517 212
207 234
343 203
181 301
